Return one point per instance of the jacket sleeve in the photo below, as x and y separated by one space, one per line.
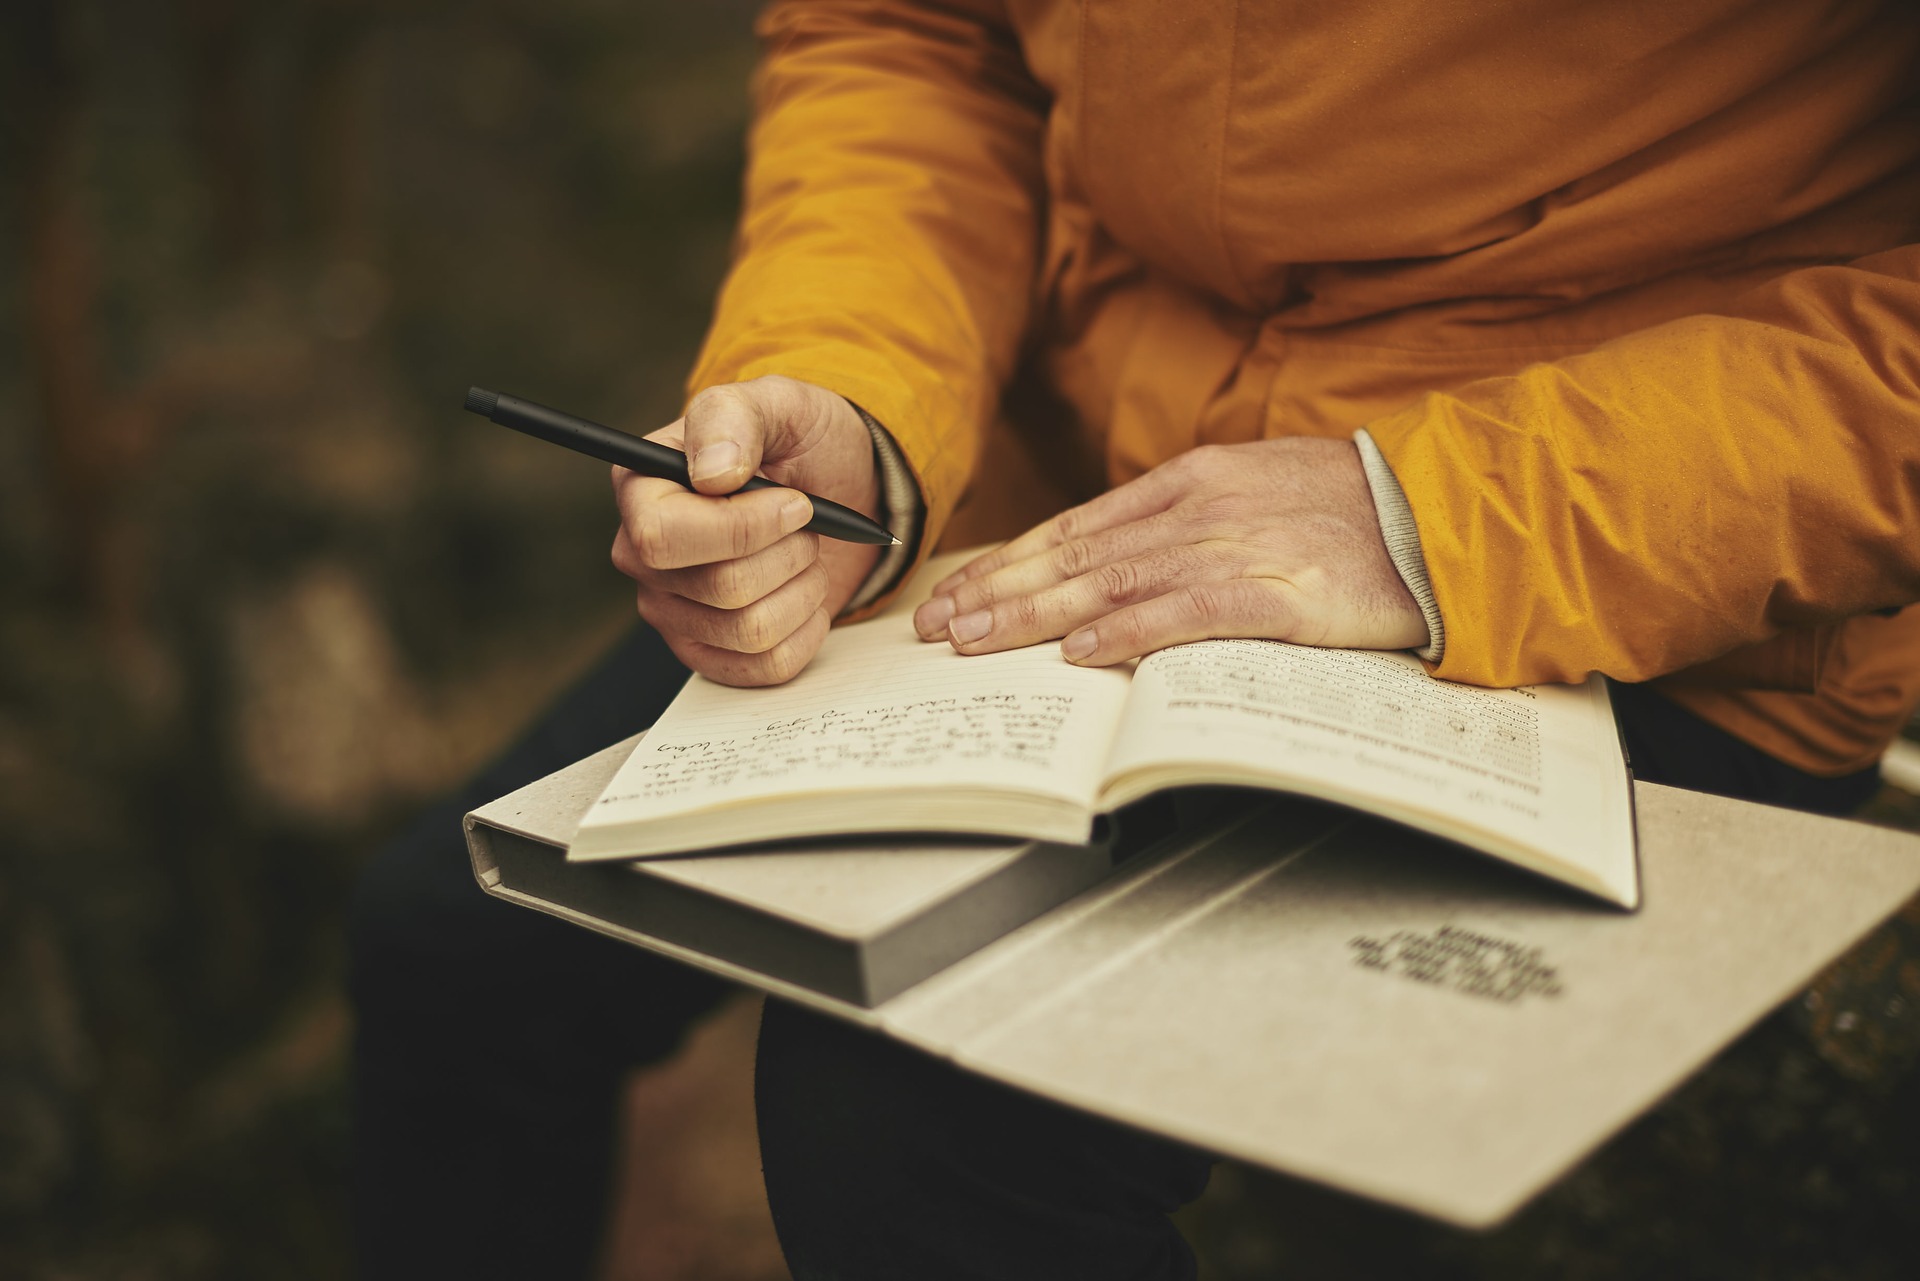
1681 491
889 234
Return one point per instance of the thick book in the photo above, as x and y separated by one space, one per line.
1304 988
885 733
855 921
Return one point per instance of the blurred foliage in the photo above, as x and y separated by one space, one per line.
263 587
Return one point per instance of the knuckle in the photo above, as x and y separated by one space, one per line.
1204 606
1074 558
807 551
1208 514
768 399
982 567
1199 463
734 669
691 656
754 630
784 663
708 399
977 593
795 551
796 401
1118 582
652 539
818 582
1282 616
781 667
1125 633
659 613
730 586
741 539
685 646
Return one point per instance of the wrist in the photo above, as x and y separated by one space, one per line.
899 507
1401 535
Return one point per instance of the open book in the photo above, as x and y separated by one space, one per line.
885 733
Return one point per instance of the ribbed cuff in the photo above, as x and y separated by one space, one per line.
904 512
1403 541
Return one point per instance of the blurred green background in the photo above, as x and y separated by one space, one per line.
264 588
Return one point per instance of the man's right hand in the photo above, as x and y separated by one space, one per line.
739 593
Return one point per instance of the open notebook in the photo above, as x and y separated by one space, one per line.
884 733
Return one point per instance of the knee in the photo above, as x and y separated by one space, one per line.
836 1102
434 960
849 1147
404 877
426 943
398 921
880 1160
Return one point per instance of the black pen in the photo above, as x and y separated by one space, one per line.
651 459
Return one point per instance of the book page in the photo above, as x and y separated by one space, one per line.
878 710
1537 768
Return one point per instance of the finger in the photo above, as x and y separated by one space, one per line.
670 528
781 663
632 488
731 429
1050 568
673 434
752 629
633 493
1240 607
735 584
726 584
1058 609
669 435
1147 496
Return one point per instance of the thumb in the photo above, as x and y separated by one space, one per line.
735 427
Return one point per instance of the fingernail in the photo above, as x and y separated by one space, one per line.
795 512
714 460
971 627
933 616
1079 644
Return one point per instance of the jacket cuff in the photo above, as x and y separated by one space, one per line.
903 513
1403 542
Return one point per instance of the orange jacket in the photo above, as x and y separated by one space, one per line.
1628 294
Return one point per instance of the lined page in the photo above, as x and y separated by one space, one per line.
877 710
1532 769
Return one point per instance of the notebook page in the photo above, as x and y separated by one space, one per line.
1538 767
877 710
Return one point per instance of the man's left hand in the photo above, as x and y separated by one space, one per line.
1273 539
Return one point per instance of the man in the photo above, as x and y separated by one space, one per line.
1543 339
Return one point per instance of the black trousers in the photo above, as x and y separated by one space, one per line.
491 1043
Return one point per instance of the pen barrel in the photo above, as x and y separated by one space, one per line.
650 458
592 439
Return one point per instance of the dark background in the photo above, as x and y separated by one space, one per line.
263 588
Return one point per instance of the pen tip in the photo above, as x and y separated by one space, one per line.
894 543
